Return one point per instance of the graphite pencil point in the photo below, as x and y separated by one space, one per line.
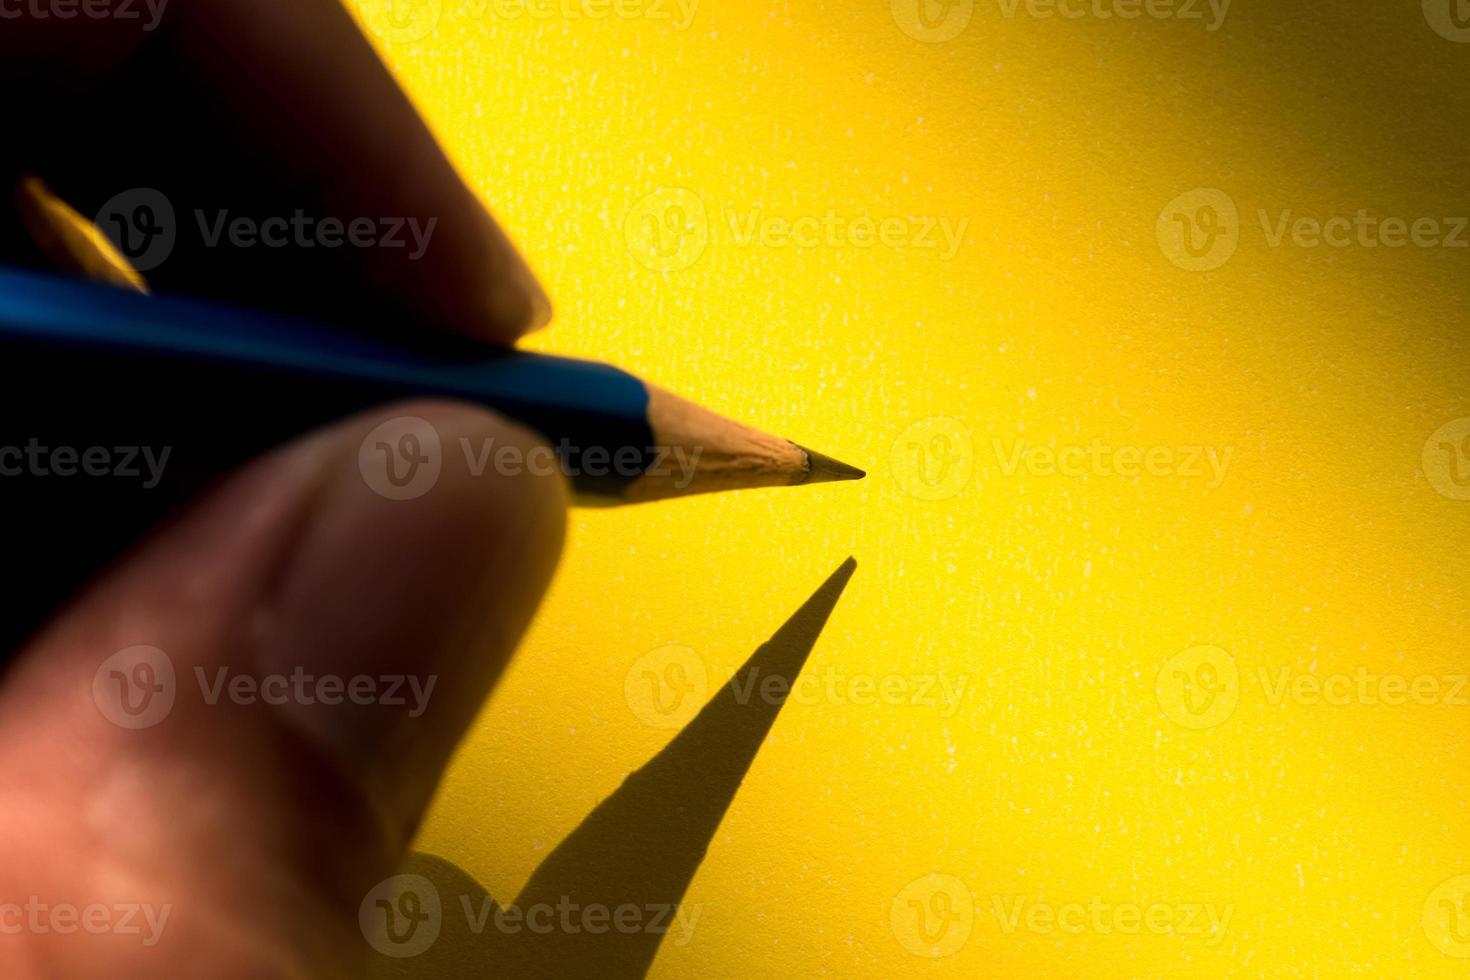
825 469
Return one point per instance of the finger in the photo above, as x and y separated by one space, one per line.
251 818
280 119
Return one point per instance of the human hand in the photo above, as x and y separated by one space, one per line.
224 834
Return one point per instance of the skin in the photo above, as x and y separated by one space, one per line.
261 827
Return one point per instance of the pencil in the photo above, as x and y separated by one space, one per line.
213 385
69 242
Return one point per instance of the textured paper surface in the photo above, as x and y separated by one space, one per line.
646 170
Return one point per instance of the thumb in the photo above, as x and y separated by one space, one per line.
246 717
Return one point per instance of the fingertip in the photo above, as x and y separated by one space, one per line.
426 556
475 282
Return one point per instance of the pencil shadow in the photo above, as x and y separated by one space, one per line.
636 853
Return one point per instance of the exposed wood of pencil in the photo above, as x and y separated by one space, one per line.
701 452
70 242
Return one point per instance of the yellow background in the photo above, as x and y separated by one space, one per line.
1065 775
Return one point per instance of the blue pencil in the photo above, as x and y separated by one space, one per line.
91 365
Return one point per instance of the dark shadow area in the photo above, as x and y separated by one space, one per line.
461 952
611 892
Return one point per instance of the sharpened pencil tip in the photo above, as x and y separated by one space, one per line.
825 469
